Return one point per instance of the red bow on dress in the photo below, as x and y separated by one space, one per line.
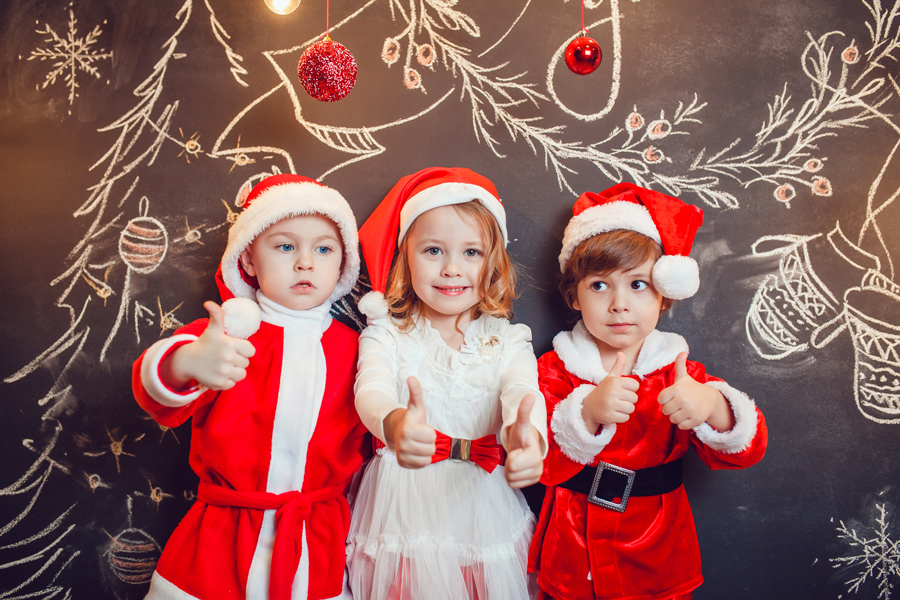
484 452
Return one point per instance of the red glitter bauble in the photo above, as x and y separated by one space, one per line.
583 55
327 71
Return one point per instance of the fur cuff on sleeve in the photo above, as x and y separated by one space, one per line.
570 433
744 430
150 374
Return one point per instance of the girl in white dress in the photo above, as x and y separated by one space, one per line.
446 384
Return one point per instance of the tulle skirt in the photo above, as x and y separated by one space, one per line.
448 531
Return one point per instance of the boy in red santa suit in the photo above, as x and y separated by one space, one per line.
268 381
624 404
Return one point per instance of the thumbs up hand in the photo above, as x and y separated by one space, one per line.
524 464
689 403
613 400
407 432
215 359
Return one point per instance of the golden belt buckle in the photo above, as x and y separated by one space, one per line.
460 449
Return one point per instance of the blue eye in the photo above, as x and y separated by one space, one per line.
285 247
323 250
433 251
639 285
598 286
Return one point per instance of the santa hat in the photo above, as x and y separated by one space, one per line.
668 221
275 198
410 197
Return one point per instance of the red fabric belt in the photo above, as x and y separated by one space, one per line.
291 512
484 452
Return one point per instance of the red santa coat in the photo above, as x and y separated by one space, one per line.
650 551
234 446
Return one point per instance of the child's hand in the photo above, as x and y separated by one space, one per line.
407 431
524 464
613 400
689 403
215 359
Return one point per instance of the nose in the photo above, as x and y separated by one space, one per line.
450 269
304 261
618 301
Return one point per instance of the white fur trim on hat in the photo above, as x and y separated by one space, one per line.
741 435
606 217
373 305
676 276
282 201
447 194
242 317
569 430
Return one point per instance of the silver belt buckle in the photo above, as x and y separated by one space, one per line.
460 449
618 507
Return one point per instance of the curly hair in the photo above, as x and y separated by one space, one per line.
497 285
606 252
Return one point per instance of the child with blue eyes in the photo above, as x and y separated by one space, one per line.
624 404
268 383
448 386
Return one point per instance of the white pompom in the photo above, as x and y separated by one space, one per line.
676 277
373 305
242 317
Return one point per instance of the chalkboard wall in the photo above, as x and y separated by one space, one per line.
127 128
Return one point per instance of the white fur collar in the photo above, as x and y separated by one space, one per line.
578 351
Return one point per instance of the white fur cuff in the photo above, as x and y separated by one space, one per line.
568 428
151 380
744 430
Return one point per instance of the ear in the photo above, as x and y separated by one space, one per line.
576 304
247 262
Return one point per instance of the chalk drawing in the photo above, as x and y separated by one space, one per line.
872 558
70 55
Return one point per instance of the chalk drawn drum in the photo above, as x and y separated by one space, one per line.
873 319
133 556
143 244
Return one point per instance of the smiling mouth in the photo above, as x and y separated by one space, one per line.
452 291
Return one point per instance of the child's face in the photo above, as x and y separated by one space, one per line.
297 261
619 309
446 253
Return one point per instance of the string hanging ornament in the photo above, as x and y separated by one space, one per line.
327 70
583 54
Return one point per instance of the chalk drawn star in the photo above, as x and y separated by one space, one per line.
70 55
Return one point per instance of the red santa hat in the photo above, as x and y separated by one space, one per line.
413 195
275 198
668 221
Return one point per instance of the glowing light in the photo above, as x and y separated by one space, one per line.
282 7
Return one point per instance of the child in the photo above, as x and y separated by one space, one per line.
624 405
443 375
275 438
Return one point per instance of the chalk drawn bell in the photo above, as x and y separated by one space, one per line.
143 242
813 274
133 556
871 314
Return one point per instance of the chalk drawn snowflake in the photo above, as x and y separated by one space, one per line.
877 557
70 55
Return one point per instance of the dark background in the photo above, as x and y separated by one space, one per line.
745 94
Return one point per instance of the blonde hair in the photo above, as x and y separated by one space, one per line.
604 253
497 285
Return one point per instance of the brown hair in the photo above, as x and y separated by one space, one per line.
605 252
497 287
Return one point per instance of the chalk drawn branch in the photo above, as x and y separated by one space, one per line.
785 151
871 554
34 561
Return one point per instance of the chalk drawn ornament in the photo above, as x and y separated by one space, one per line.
143 242
813 274
870 315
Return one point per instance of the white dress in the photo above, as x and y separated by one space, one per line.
450 530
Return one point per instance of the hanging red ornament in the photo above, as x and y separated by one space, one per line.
327 70
583 55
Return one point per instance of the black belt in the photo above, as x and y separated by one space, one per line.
605 482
